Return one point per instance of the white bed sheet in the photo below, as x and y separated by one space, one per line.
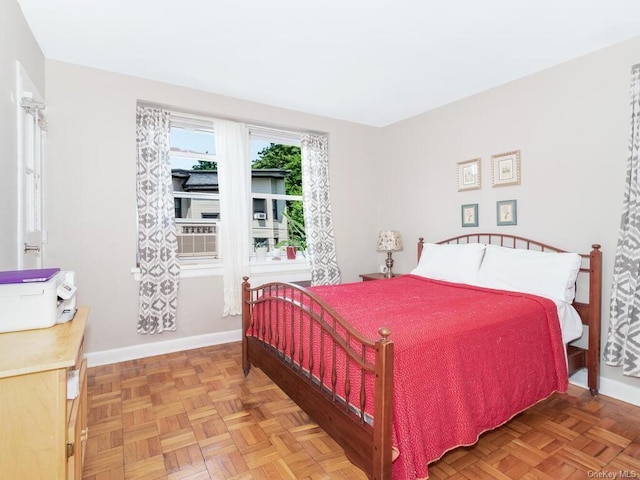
570 321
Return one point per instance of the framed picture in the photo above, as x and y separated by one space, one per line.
470 215
469 175
507 212
505 169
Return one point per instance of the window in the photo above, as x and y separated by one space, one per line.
276 188
195 187
30 158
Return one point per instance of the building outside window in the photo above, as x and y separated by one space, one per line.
276 189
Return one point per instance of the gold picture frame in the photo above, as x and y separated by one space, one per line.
505 169
469 175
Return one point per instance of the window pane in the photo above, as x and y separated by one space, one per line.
195 190
259 208
276 174
276 168
294 224
192 141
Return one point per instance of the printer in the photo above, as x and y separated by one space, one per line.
31 299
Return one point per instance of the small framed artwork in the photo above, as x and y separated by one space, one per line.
505 168
469 175
507 212
470 215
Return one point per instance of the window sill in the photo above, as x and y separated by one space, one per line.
269 267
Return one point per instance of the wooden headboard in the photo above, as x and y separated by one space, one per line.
589 311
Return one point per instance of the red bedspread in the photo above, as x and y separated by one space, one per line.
467 359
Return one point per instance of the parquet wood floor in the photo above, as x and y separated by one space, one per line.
193 415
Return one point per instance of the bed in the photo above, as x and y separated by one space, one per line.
400 371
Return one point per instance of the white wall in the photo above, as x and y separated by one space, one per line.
91 195
16 44
571 124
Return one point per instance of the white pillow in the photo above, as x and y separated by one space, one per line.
541 273
450 262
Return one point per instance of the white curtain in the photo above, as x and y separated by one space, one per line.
317 210
157 240
623 339
234 173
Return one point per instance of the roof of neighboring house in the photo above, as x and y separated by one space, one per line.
201 179
270 172
208 179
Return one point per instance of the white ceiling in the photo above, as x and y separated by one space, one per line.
368 61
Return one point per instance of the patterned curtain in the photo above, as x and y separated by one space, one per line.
623 340
157 240
232 153
317 210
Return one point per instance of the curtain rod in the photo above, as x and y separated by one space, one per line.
209 117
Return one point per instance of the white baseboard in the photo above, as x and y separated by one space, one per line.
116 355
608 387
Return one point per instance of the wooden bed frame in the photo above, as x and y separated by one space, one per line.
368 442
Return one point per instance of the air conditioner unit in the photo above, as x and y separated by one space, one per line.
259 216
197 240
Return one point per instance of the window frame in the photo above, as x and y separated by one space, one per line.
196 266
281 137
180 121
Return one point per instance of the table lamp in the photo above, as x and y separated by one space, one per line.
389 241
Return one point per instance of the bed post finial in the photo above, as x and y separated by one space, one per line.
384 334
420 247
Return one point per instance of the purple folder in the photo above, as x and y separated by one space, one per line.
23 276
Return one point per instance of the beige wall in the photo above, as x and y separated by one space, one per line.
571 124
16 44
91 195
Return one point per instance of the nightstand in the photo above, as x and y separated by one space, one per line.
373 276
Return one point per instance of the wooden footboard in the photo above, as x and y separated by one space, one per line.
311 377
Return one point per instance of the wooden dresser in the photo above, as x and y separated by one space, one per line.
42 433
